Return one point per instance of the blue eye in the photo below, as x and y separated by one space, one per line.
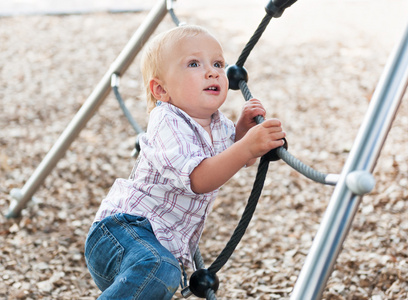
193 64
219 64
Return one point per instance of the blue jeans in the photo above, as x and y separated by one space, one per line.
126 260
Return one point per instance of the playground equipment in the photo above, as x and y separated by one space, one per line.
354 181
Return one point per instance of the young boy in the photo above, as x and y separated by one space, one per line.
150 223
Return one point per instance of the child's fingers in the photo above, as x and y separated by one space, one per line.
272 123
277 143
254 101
255 110
277 140
279 135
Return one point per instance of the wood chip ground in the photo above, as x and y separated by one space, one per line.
315 69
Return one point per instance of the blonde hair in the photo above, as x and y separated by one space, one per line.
154 55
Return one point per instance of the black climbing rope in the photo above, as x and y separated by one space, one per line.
252 42
204 282
273 9
239 231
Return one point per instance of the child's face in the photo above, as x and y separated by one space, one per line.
194 76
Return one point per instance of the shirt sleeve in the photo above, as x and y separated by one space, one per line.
174 149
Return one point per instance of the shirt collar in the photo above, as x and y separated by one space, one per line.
214 118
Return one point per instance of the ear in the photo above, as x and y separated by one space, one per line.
158 90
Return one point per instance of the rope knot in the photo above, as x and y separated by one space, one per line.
273 155
201 281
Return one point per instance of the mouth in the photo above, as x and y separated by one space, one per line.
213 88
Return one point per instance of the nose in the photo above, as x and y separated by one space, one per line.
211 72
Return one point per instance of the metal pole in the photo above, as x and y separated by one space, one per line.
363 157
119 66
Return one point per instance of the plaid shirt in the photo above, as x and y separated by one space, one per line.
159 186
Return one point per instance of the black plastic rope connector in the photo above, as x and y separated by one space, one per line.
201 281
275 8
272 155
236 74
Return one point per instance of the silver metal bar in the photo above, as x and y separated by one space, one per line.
92 103
363 157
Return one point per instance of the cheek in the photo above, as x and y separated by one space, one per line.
223 78
190 88
181 86
192 84
226 84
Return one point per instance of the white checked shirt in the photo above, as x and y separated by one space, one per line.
159 187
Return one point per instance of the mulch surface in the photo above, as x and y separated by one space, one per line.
319 86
